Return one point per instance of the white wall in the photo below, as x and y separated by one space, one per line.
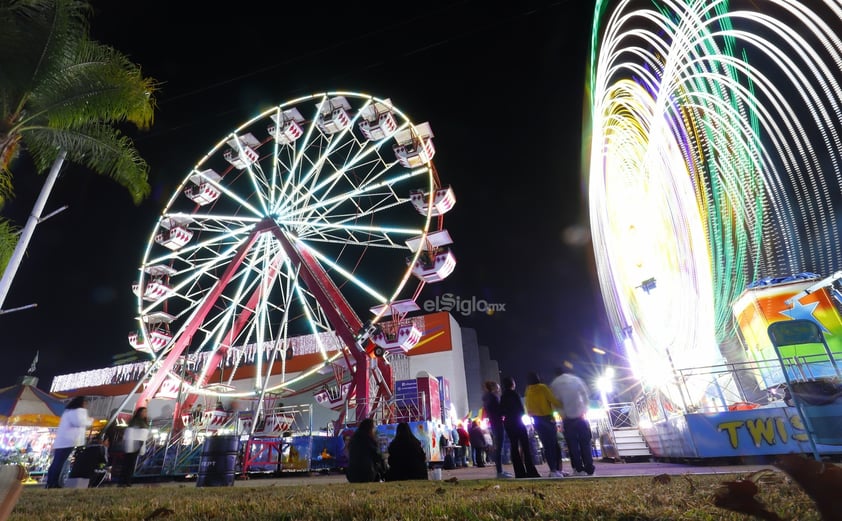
447 364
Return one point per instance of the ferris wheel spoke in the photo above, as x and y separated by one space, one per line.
257 180
282 337
345 273
230 194
231 303
324 187
311 140
371 170
210 223
314 326
362 190
188 277
226 334
232 240
332 143
360 206
293 171
352 234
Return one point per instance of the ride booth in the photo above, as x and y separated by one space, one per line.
416 401
791 331
283 441
419 402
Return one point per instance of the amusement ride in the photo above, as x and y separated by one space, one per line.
714 181
715 186
290 255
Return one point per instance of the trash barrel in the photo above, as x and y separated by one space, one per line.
218 462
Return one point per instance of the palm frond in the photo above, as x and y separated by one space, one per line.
97 146
100 85
37 37
60 90
9 234
7 189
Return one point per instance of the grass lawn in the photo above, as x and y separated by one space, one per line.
684 497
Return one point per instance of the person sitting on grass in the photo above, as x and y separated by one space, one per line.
365 463
407 459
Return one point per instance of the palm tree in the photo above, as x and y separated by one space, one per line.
63 95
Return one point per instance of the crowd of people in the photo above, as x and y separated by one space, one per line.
467 444
566 395
93 458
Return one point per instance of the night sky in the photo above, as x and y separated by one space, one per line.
502 86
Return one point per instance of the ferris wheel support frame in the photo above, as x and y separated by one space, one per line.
339 313
184 339
219 354
345 322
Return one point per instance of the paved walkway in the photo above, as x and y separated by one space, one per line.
603 470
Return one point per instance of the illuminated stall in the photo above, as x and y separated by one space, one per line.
767 301
28 418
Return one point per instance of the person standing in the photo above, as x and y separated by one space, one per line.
69 435
464 445
365 463
540 404
407 459
573 394
491 406
134 444
478 445
512 409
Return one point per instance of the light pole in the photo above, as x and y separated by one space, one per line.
29 227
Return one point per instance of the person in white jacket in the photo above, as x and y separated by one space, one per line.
69 435
572 392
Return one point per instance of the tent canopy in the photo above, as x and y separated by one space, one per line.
26 405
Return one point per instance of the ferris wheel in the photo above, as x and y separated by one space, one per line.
291 253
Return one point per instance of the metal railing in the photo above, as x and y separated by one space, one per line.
173 452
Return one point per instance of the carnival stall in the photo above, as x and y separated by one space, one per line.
28 418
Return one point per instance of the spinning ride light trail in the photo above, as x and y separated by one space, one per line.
714 161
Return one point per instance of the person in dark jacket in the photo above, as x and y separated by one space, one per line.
478 446
365 463
513 411
491 406
407 459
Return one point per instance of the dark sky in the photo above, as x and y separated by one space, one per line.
502 87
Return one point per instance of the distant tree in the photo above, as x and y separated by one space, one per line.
63 94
